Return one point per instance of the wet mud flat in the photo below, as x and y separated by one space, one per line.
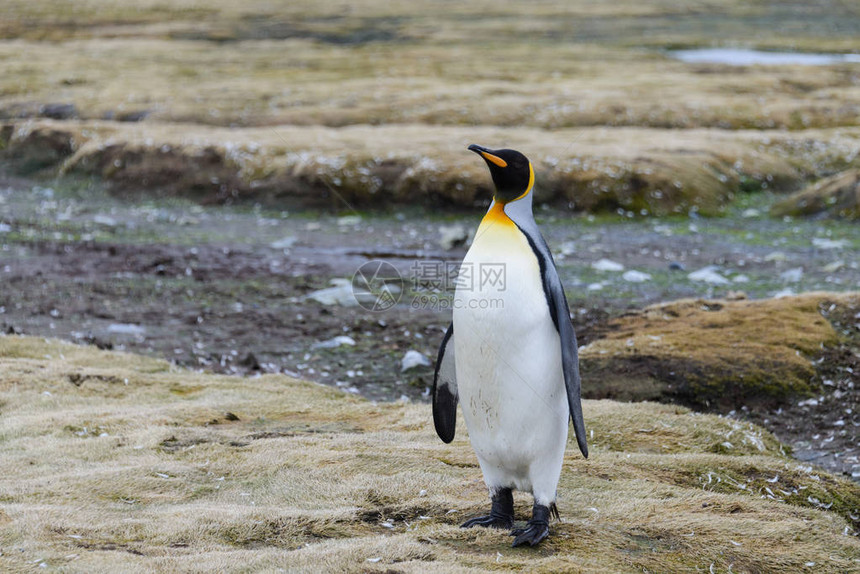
228 289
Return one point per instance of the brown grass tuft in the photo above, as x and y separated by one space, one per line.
835 196
722 354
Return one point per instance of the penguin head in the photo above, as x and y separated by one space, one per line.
512 172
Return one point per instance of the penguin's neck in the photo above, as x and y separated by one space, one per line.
498 232
496 216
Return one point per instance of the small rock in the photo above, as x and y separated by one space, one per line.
58 111
607 265
340 294
751 213
335 342
413 359
451 236
5 228
775 256
126 329
740 279
787 292
829 268
708 275
105 220
825 243
284 243
736 296
634 276
348 220
792 275
567 248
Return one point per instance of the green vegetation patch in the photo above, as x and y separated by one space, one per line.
717 354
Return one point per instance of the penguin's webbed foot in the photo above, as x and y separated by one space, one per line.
489 521
536 529
501 513
532 534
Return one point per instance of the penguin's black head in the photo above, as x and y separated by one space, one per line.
512 173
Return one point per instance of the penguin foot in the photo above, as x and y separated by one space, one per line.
501 513
536 529
489 521
532 534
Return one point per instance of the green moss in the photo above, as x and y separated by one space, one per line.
717 355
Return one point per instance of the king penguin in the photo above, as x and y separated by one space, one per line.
510 357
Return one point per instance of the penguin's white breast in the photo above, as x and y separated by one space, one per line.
508 354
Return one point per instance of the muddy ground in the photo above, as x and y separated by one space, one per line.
225 289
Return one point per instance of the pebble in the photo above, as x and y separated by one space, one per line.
775 256
413 359
284 243
105 220
787 292
824 243
126 329
347 220
792 275
340 294
708 275
335 342
835 266
451 236
607 265
634 276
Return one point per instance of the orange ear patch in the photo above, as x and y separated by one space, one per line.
495 159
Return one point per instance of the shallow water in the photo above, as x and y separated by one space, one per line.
741 57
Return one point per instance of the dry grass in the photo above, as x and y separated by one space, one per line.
535 76
835 196
548 65
715 353
638 170
117 462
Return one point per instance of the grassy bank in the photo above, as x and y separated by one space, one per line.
639 171
114 459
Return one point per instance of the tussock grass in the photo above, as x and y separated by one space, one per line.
113 461
715 353
637 170
836 196
539 77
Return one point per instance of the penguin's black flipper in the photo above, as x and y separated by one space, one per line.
445 395
558 310
569 356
